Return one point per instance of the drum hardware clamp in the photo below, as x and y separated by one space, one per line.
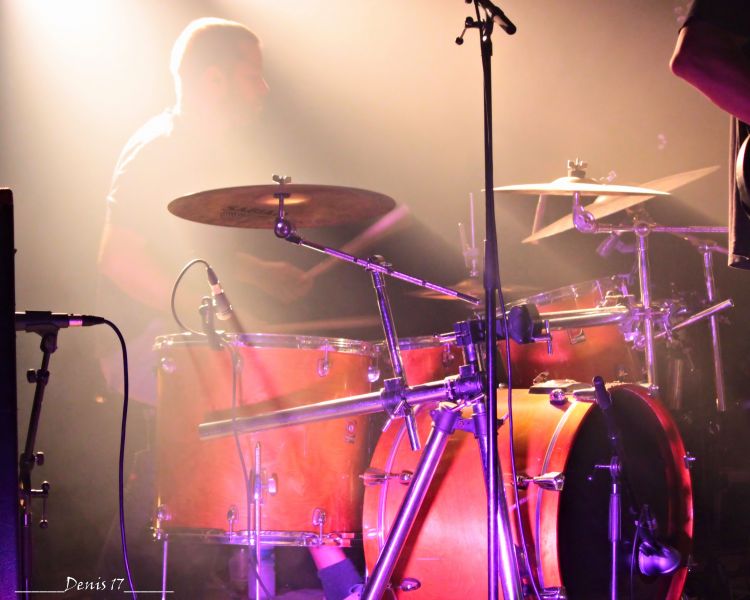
378 477
552 482
161 516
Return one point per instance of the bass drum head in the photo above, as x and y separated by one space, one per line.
566 532
656 475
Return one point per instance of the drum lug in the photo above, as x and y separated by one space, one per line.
319 518
447 356
161 516
553 481
232 516
373 370
272 485
374 476
576 338
689 460
351 432
409 584
324 364
168 365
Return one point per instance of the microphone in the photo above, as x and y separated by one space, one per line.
654 557
498 16
36 320
604 401
222 306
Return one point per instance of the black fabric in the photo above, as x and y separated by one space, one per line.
339 579
732 16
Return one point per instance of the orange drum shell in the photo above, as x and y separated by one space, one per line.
446 550
315 465
424 358
577 354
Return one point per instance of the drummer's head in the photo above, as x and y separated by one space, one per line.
217 67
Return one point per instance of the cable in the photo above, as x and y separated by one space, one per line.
174 293
511 444
121 466
236 359
634 553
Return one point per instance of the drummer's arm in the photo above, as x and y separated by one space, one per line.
279 279
123 258
714 61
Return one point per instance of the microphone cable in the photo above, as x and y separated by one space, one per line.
121 464
176 285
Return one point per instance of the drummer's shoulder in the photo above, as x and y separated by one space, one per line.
147 138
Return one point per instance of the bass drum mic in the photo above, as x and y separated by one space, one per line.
655 557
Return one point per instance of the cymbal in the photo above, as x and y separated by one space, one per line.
609 204
255 206
471 286
567 186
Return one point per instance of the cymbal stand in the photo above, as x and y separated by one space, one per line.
399 382
284 229
503 557
708 248
585 222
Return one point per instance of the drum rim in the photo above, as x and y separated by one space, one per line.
269 340
419 342
571 290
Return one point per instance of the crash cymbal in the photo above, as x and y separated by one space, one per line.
255 206
471 286
609 204
567 186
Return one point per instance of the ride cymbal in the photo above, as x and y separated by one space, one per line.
567 186
609 204
307 205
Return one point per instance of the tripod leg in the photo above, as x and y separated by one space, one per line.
444 420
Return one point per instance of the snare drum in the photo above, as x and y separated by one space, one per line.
310 472
566 531
578 354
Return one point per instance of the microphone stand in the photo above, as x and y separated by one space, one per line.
501 555
29 458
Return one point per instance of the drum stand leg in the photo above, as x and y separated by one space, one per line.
444 422
615 529
164 559
257 500
642 233
708 273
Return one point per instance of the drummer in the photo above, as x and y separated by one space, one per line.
205 141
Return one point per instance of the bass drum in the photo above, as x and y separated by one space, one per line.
314 468
566 531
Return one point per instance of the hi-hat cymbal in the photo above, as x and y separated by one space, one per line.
567 186
609 204
255 206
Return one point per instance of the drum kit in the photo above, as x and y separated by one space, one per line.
301 410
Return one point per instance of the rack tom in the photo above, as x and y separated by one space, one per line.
577 353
